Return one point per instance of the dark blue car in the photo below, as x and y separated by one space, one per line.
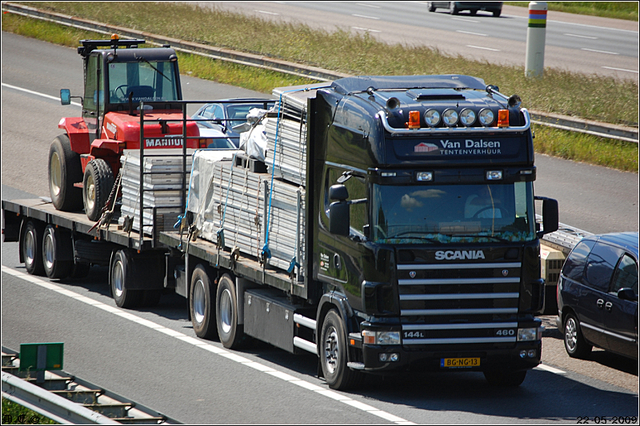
598 295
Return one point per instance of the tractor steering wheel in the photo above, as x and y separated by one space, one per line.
121 89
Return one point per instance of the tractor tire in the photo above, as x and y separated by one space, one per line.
64 171
96 187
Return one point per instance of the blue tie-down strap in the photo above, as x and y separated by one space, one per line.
220 235
292 265
266 253
177 224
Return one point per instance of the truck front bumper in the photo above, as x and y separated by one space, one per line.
383 358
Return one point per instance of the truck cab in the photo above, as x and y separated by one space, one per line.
426 223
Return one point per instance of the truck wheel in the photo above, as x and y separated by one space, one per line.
505 378
453 10
64 170
574 342
96 187
57 252
230 332
333 354
201 305
120 274
431 7
31 246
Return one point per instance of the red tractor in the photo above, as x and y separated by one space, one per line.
84 161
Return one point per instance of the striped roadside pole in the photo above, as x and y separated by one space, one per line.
536 32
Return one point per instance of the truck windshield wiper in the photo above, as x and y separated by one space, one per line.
140 58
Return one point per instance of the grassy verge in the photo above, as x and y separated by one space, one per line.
598 98
13 413
617 10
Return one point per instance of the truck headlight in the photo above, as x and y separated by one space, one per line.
380 337
528 334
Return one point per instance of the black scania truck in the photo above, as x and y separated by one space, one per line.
415 241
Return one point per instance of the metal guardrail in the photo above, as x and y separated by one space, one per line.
48 404
610 131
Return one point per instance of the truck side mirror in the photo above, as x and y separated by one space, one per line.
339 210
338 192
549 215
339 218
65 96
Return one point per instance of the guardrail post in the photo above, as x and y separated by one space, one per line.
536 32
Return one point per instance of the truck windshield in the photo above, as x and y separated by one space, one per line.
452 213
146 80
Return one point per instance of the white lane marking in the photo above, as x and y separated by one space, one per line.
550 369
621 69
267 13
470 33
581 36
366 29
463 19
364 16
36 93
483 48
208 346
600 51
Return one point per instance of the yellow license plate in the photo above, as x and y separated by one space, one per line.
459 362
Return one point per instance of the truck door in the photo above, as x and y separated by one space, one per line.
341 255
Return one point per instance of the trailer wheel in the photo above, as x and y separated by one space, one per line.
96 187
333 354
64 170
31 246
120 274
506 378
201 304
230 332
57 252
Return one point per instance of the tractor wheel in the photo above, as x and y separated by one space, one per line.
96 187
64 170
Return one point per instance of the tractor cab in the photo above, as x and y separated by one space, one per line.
119 78
122 81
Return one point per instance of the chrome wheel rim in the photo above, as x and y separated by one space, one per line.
29 248
226 311
48 251
118 279
331 350
199 305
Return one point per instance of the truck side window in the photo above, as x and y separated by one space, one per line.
600 266
626 275
574 266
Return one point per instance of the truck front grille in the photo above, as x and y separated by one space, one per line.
462 303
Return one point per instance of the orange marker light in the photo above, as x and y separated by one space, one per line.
503 118
414 120
115 37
